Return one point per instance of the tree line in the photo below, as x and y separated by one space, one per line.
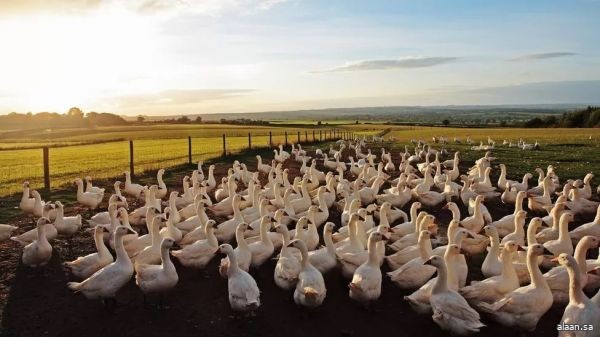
586 118
74 118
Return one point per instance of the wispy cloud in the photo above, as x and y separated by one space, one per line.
541 56
406 62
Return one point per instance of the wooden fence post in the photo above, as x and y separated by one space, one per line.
314 135
285 138
249 141
131 171
190 150
270 139
298 137
224 147
320 135
46 170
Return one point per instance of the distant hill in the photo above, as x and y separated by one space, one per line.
466 114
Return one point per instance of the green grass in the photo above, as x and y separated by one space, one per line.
570 151
154 147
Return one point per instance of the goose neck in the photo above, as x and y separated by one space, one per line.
122 257
575 293
537 280
441 283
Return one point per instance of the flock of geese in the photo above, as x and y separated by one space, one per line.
266 213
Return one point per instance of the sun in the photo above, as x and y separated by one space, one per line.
54 62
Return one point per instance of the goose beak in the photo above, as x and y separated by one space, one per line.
555 259
520 248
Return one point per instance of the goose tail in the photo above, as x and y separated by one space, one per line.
75 286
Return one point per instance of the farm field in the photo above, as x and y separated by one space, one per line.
153 149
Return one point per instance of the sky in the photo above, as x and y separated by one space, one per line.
163 57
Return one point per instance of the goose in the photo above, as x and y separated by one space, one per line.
89 199
493 288
107 281
302 204
194 222
509 196
66 225
278 157
491 265
310 289
170 231
39 251
450 310
153 278
27 203
586 191
563 243
502 181
475 222
263 249
162 187
414 273
244 295
288 266
579 205
520 261
41 208
405 228
368 194
518 235
6 231
50 232
506 224
539 203
84 266
226 230
351 261
590 228
242 253
276 238
557 277
523 307
104 217
427 223
134 245
524 185
311 236
580 311
324 259
487 217
419 300
150 254
365 286
198 254
551 233
131 189
225 206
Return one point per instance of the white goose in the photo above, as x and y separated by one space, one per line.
39 251
107 281
365 286
563 243
89 199
150 254
506 224
84 266
495 287
6 231
262 250
590 228
450 310
66 225
198 254
27 203
153 278
491 265
581 310
518 235
523 307
324 259
131 189
288 266
310 287
162 187
244 294
50 233
242 253
414 273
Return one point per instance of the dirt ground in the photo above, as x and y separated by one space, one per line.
38 302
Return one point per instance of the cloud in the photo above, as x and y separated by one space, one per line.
178 97
202 7
541 56
406 62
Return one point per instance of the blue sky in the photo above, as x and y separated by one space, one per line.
160 57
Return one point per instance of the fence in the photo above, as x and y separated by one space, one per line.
48 168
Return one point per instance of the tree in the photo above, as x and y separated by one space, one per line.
141 119
446 122
183 120
319 123
356 122
75 112
199 119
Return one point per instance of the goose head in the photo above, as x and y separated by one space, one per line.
511 247
299 244
378 236
167 243
567 217
589 241
538 250
490 231
122 230
42 221
565 260
436 261
78 181
226 249
328 228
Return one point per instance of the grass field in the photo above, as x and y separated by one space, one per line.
573 152
154 148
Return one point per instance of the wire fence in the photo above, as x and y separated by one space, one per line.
49 168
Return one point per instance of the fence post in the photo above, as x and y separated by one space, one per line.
249 141
306 136
190 150
131 171
46 170
285 138
298 137
314 135
270 139
320 135
224 147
